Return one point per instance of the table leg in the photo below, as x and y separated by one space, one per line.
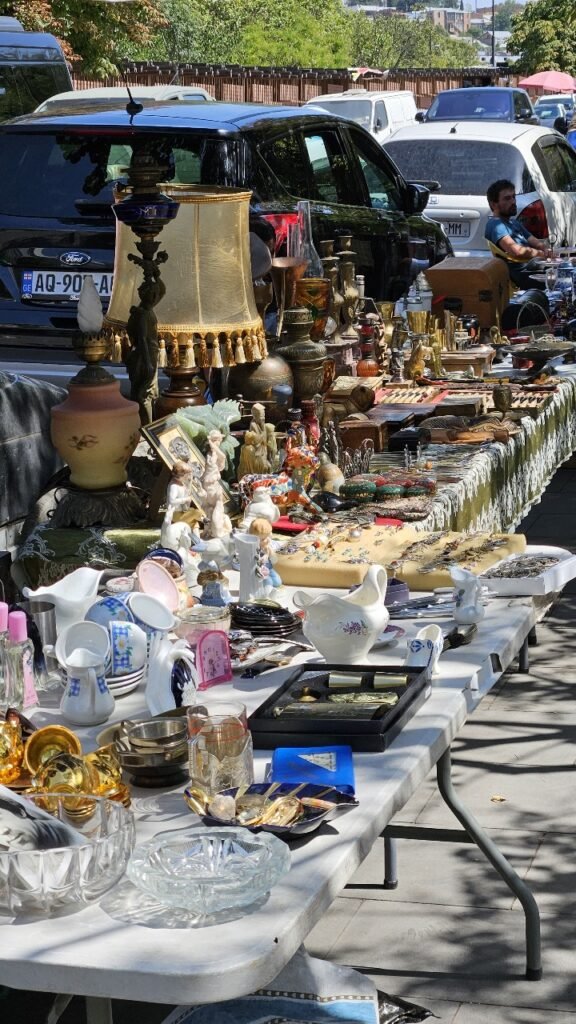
524 656
98 1011
498 861
390 863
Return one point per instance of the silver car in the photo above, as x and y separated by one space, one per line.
553 115
464 158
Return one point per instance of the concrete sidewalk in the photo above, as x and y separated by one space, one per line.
451 936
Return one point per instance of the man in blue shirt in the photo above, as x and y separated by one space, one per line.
509 234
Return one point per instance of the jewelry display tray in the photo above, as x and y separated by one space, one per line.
364 735
548 582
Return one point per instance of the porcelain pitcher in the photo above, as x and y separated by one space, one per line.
87 699
343 629
468 596
72 595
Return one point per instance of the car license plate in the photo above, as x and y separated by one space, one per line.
457 228
62 284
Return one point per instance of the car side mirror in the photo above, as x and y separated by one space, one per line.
420 115
378 124
418 196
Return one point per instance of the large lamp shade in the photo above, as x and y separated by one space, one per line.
208 279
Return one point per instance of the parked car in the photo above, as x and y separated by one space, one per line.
58 172
482 103
104 96
553 115
566 99
380 113
465 159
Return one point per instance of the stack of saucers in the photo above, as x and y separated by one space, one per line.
265 620
120 685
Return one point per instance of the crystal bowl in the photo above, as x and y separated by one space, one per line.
45 881
192 622
207 870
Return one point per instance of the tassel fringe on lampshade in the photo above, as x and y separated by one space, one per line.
209 296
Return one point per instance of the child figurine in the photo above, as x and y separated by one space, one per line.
268 578
215 593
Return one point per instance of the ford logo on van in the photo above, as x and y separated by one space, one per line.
75 259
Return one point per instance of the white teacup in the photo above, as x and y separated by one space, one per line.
150 614
87 635
128 647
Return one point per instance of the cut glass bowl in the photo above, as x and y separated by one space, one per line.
207 870
45 881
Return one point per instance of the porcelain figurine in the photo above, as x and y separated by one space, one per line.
72 596
217 523
343 629
180 537
215 593
268 578
178 492
425 648
260 506
254 452
165 660
468 599
87 699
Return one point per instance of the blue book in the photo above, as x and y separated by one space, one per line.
322 766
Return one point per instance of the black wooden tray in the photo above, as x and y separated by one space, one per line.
373 734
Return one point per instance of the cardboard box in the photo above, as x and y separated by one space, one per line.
481 282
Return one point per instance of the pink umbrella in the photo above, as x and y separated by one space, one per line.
553 81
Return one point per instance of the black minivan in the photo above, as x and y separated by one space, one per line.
57 173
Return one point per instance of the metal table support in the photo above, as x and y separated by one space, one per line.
473 833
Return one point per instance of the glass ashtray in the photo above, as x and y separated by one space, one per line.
47 880
207 870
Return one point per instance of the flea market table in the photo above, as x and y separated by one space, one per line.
127 947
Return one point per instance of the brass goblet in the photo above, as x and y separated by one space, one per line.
11 751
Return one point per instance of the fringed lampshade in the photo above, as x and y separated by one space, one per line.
209 299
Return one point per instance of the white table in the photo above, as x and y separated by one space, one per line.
120 948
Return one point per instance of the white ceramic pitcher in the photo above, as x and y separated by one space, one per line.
343 629
87 699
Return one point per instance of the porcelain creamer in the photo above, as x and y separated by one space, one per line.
72 595
343 629
468 596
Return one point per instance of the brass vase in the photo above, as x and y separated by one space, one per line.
314 294
306 358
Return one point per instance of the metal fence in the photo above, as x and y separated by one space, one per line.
294 86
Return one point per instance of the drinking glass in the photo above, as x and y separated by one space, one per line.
220 746
551 279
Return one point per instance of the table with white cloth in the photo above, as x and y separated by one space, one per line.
125 948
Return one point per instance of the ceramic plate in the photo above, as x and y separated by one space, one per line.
156 581
390 637
124 688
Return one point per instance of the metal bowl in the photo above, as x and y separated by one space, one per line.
157 736
45 743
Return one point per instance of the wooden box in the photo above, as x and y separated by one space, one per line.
381 421
481 282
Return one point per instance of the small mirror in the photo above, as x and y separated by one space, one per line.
420 116
378 124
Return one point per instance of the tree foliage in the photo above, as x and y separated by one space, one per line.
544 37
503 15
96 33
397 43
306 33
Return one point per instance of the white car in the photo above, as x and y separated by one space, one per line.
465 157
380 113
111 95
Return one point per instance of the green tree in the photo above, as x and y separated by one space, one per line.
397 43
95 33
544 37
504 14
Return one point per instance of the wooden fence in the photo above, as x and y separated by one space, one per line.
294 86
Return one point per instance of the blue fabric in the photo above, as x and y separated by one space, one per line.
571 138
497 228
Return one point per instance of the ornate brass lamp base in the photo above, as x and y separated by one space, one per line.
118 506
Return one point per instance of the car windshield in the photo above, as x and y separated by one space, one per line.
24 86
356 110
462 166
66 174
474 104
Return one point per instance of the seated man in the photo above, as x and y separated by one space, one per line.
507 234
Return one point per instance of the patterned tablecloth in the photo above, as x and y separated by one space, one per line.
501 483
